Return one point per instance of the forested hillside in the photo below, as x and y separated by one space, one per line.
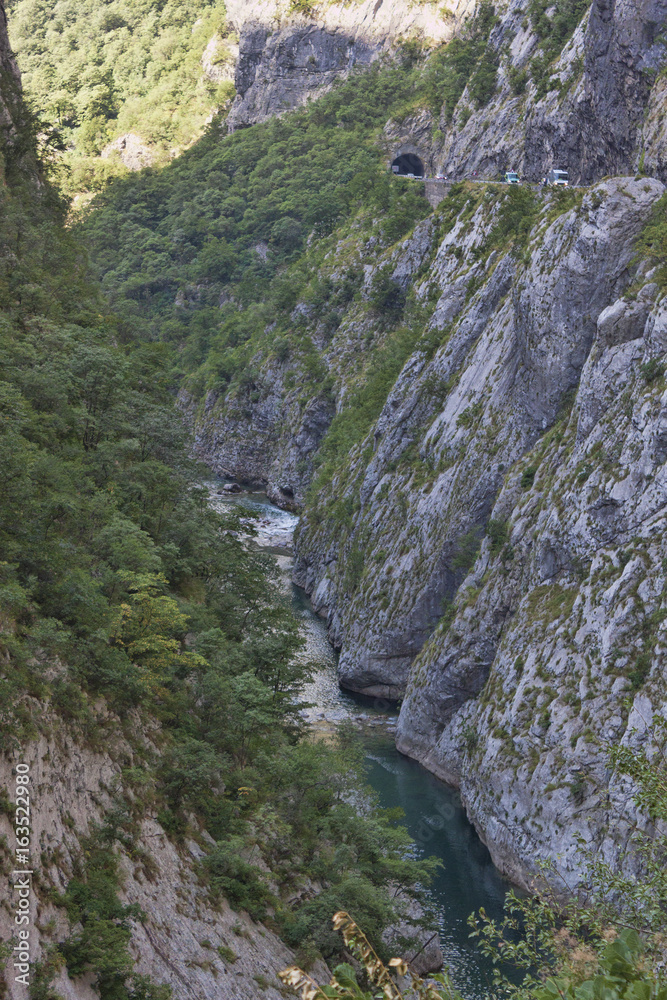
123 84
212 247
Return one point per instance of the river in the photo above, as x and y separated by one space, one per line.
434 815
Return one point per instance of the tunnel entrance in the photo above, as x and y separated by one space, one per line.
408 163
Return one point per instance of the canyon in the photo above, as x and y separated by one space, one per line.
463 398
498 565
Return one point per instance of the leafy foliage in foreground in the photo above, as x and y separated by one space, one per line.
380 977
123 594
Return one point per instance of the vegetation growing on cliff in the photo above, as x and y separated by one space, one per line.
467 61
652 245
124 578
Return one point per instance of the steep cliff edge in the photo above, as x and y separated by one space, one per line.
288 53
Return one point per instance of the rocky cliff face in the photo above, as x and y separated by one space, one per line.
182 939
267 436
511 520
589 118
285 57
498 561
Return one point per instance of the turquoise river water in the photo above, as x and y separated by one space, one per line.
433 812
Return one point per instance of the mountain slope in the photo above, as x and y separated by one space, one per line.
124 84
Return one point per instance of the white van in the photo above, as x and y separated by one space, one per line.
558 178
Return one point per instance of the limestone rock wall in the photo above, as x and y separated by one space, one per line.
72 787
560 652
512 523
285 57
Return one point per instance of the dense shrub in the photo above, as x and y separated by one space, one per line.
237 881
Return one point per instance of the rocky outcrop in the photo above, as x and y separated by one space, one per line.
219 59
266 436
131 150
182 939
285 57
597 130
278 71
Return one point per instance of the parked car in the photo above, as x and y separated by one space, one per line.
558 178
512 178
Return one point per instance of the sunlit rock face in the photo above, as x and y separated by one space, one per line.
285 58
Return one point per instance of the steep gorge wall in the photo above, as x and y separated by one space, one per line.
285 58
199 949
494 552
536 432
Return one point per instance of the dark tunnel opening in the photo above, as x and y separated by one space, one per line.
408 163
